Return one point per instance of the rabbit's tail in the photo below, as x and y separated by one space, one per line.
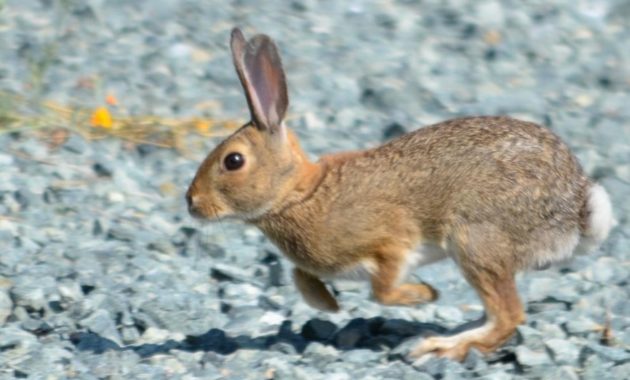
599 219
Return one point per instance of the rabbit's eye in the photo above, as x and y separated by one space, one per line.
234 161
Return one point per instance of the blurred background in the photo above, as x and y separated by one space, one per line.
107 108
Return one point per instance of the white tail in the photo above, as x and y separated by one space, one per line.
600 219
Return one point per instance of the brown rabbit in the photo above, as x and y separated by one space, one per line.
495 194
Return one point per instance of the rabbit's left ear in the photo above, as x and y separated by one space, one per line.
259 68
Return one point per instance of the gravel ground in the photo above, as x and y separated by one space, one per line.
104 275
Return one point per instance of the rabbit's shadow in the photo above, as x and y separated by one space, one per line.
376 334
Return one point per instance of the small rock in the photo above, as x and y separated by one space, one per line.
154 335
6 160
529 358
241 294
582 325
449 314
393 130
283 347
226 272
129 334
122 232
321 352
318 330
30 293
101 323
75 144
607 270
102 169
36 326
620 371
564 373
614 354
438 366
362 356
545 289
311 121
162 246
530 337
6 306
402 351
16 343
115 197
70 290
595 369
563 351
212 249
474 360
276 272
146 149
245 320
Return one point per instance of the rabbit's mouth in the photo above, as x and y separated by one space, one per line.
201 210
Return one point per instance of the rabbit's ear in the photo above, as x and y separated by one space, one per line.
260 70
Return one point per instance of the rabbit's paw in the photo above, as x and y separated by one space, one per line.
408 294
445 347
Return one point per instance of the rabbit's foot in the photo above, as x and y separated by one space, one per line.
442 346
314 291
407 294
486 338
391 267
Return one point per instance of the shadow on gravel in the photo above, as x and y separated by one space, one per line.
374 334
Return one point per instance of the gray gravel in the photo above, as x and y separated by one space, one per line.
103 274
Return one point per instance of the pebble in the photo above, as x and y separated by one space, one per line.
582 325
321 354
6 306
563 372
529 358
614 354
563 352
100 322
438 366
393 130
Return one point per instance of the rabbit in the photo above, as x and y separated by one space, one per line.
495 194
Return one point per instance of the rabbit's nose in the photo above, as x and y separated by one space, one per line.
189 200
192 208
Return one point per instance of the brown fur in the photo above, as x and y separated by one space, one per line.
495 192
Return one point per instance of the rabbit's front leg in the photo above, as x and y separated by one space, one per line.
314 291
387 289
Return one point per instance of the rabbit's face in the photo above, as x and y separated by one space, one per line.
255 168
243 177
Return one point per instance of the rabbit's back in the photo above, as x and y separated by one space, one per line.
502 174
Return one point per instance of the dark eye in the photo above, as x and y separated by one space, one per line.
234 161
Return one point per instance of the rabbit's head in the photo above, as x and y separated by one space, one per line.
255 168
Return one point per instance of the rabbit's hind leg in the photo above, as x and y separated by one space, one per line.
485 255
503 314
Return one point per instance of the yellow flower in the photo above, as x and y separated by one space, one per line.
101 118
202 126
